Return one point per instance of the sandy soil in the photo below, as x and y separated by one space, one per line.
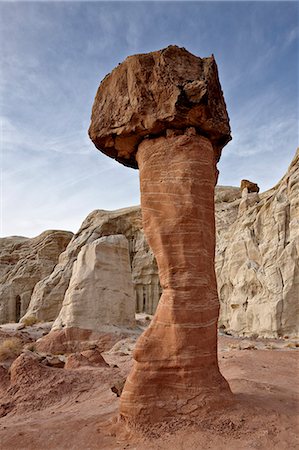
54 408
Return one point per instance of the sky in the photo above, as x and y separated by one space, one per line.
53 56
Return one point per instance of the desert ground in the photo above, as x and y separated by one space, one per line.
47 404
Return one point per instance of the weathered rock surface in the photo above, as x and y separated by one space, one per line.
149 93
230 224
91 358
24 262
48 294
257 260
100 293
173 127
72 340
177 178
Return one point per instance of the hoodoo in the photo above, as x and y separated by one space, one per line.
164 112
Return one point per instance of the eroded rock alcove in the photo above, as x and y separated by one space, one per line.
164 112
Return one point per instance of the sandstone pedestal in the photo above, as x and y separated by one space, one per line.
164 113
176 369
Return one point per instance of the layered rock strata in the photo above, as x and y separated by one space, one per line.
175 99
47 297
256 263
179 377
257 260
23 263
100 294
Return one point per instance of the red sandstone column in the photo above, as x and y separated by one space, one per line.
140 114
176 371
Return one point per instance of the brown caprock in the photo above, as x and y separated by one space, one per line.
164 112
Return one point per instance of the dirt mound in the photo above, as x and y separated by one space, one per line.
75 409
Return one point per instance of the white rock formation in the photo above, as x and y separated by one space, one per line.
145 276
48 294
257 260
100 293
23 262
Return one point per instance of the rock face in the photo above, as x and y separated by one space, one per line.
175 99
238 226
49 293
149 93
100 293
257 261
24 262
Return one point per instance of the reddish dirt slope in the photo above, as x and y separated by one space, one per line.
46 407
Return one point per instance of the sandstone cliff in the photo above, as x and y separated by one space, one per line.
49 293
101 291
257 260
24 262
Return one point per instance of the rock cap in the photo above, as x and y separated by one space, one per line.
149 93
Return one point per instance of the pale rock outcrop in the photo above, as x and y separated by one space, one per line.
24 262
265 223
257 260
49 293
100 294
145 276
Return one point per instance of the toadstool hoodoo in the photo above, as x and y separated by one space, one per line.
164 113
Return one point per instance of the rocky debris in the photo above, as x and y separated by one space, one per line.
82 402
25 368
123 347
57 361
92 358
34 386
164 112
24 262
257 261
72 340
100 292
4 379
118 387
150 93
249 185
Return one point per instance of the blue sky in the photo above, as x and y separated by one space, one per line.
53 57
